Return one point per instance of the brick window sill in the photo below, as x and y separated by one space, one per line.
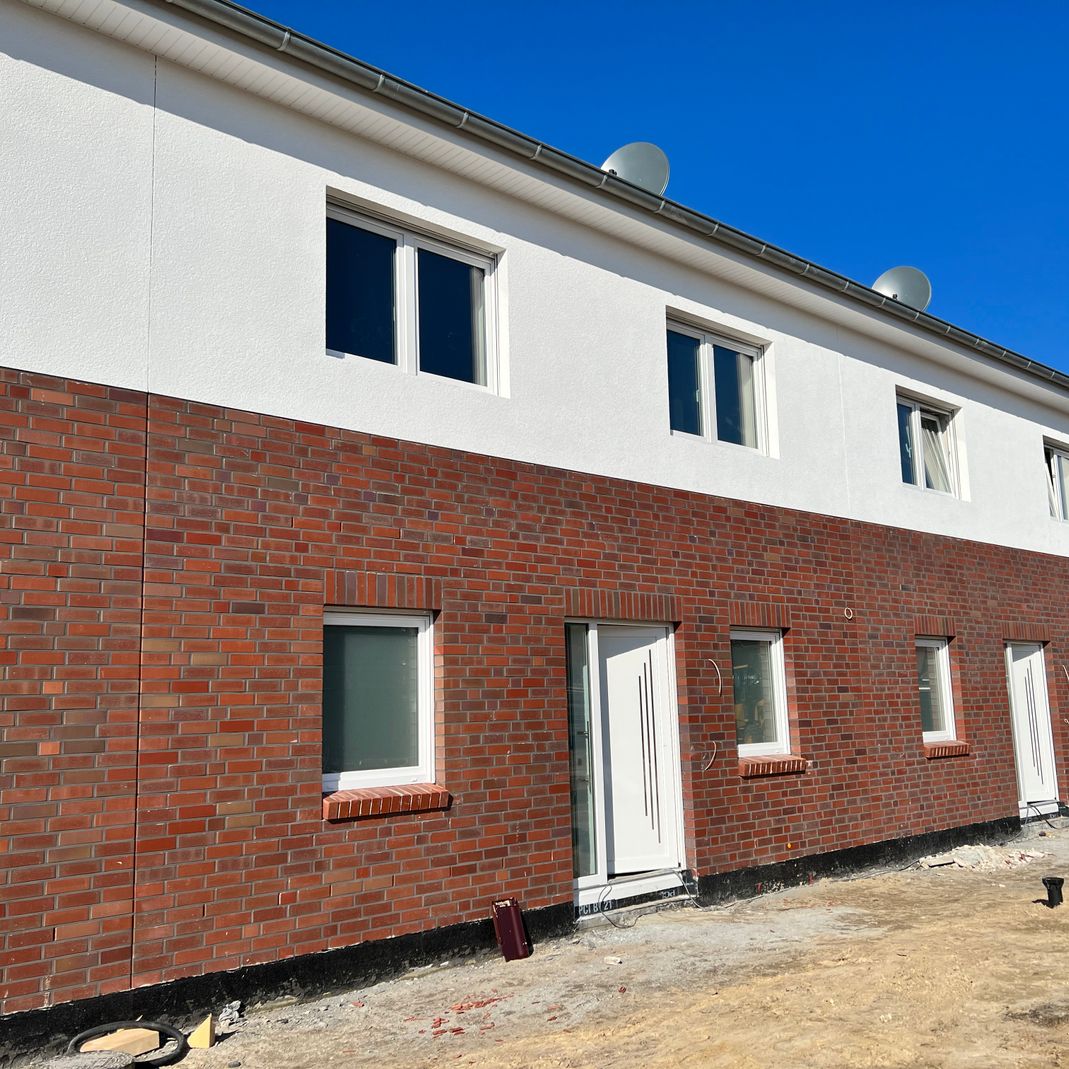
952 748
772 765
362 802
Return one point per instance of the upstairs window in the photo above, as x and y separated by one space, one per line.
714 387
399 298
1057 481
933 682
925 446
361 292
760 693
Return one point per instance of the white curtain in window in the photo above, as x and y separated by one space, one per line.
931 684
1060 498
478 324
747 402
936 463
1052 494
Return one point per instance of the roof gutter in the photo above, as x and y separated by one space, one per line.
264 31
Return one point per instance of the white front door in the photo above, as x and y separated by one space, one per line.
639 814
1033 741
626 802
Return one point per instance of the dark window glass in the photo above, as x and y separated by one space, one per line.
451 328
370 698
905 443
684 384
360 292
736 412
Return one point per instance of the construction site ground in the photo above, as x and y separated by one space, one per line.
959 965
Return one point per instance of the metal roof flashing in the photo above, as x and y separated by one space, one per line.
306 51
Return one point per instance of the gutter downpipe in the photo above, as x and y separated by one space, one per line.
330 61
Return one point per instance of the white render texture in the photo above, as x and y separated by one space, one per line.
163 230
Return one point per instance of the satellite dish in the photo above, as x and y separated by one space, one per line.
906 285
642 164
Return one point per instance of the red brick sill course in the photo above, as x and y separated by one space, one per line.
773 765
945 749
384 801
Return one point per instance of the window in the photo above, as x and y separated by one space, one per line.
581 747
925 446
1057 481
714 387
378 719
403 299
933 681
760 692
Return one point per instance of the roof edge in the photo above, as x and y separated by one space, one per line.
270 34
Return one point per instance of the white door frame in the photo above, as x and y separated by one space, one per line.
596 891
1044 737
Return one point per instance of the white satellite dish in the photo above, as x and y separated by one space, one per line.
642 164
906 285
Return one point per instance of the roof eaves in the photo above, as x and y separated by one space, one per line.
253 26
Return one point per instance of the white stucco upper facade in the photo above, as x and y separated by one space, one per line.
163 229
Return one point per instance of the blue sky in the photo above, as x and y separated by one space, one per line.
937 137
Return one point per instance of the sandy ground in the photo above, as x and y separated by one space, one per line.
948 966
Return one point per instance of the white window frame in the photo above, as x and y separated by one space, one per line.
782 743
945 416
423 770
707 399
406 294
942 645
1056 499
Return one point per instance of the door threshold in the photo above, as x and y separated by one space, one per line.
1036 810
626 914
623 890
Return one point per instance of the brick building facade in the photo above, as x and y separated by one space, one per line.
582 432
166 567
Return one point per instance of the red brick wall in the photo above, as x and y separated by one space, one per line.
254 523
72 461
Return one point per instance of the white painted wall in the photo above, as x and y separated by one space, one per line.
75 211
181 249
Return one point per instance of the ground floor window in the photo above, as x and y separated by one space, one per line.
760 692
933 682
378 720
